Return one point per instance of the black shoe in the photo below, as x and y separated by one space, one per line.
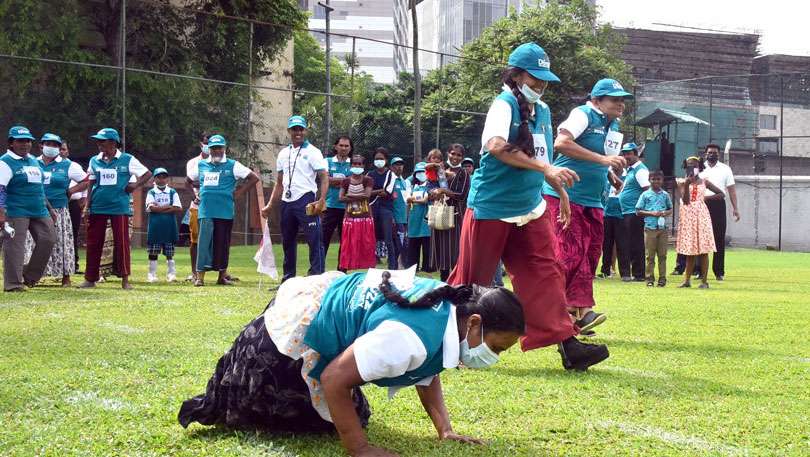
627 279
676 272
587 333
639 279
662 282
719 277
590 320
579 356
602 276
650 283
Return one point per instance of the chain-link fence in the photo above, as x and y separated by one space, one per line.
764 119
164 74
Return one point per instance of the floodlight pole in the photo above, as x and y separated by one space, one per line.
328 122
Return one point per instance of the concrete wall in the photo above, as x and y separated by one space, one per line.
758 201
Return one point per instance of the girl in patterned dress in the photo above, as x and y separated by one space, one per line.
695 236
357 235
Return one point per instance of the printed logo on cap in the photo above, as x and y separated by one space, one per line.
22 130
616 85
543 63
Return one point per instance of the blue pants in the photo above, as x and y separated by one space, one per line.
293 216
384 231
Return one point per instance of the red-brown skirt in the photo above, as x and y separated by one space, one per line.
357 244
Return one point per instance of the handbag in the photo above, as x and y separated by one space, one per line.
441 216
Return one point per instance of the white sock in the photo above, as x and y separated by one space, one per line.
153 267
170 264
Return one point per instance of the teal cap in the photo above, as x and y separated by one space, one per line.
468 160
397 160
533 59
107 134
216 141
629 147
609 87
50 137
18 132
160 171
419 167
296 121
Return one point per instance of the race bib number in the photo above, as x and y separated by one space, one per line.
540 148
613 143
33 174
46 178
211 178
108 176
338 175
162 199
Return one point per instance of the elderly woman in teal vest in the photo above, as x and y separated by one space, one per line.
588 142
57 174
217 177
23 209
506 215
299 366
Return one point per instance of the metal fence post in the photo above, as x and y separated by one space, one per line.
781 149
711 100
351 86
249 157
124 75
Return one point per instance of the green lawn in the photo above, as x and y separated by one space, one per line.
724 371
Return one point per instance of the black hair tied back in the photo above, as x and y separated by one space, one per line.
499 308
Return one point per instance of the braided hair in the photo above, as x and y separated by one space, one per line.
525 140
499 308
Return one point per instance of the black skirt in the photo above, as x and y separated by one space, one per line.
257 387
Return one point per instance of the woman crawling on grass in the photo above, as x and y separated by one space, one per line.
298 366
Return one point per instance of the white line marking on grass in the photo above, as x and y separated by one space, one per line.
226 312
121 328
635 372
92 398
676 438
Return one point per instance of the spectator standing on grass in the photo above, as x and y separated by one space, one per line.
357 240
402 189
162 205
217 177
613 221
468 164
507 217
24 208
631 237
418 230
444 244
588 143
301 186
57 175
343 331
695 237
109 200
76 203
338 166
192 168
655 206
382 207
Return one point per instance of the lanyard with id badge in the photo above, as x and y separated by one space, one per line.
291 170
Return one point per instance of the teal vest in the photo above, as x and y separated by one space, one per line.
400 207
25 193
498 190
612 206
349 311
333 195
417 224
162 227
109 195
56 180
588 190
217 184
631 190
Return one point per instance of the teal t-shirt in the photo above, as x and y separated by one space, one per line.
417 219
217 184
651 200
498 190
350 310
57 181
400 207
632 190
337 169
108 194
25 193
588 190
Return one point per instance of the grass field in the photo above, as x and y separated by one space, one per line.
724 371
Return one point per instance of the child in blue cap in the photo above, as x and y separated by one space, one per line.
162 205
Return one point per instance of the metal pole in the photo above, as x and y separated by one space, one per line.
351 84
635 109
439 110
249 126
328 114
711 102
124 75
781 149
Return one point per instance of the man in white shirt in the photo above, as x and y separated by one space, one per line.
193 221
302 174
721 176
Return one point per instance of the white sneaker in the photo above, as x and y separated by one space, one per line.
171 277
151 277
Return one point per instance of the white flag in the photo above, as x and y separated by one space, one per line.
264 257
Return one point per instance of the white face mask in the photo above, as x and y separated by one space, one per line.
50 151
420 176
379 163
480 356
530 94
205 149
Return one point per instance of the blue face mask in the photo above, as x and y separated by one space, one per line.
420 176
356 170
530 94
480 356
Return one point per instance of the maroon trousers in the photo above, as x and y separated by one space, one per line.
578 248
96 229
528 253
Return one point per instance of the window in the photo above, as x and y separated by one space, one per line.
767 121
768 146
